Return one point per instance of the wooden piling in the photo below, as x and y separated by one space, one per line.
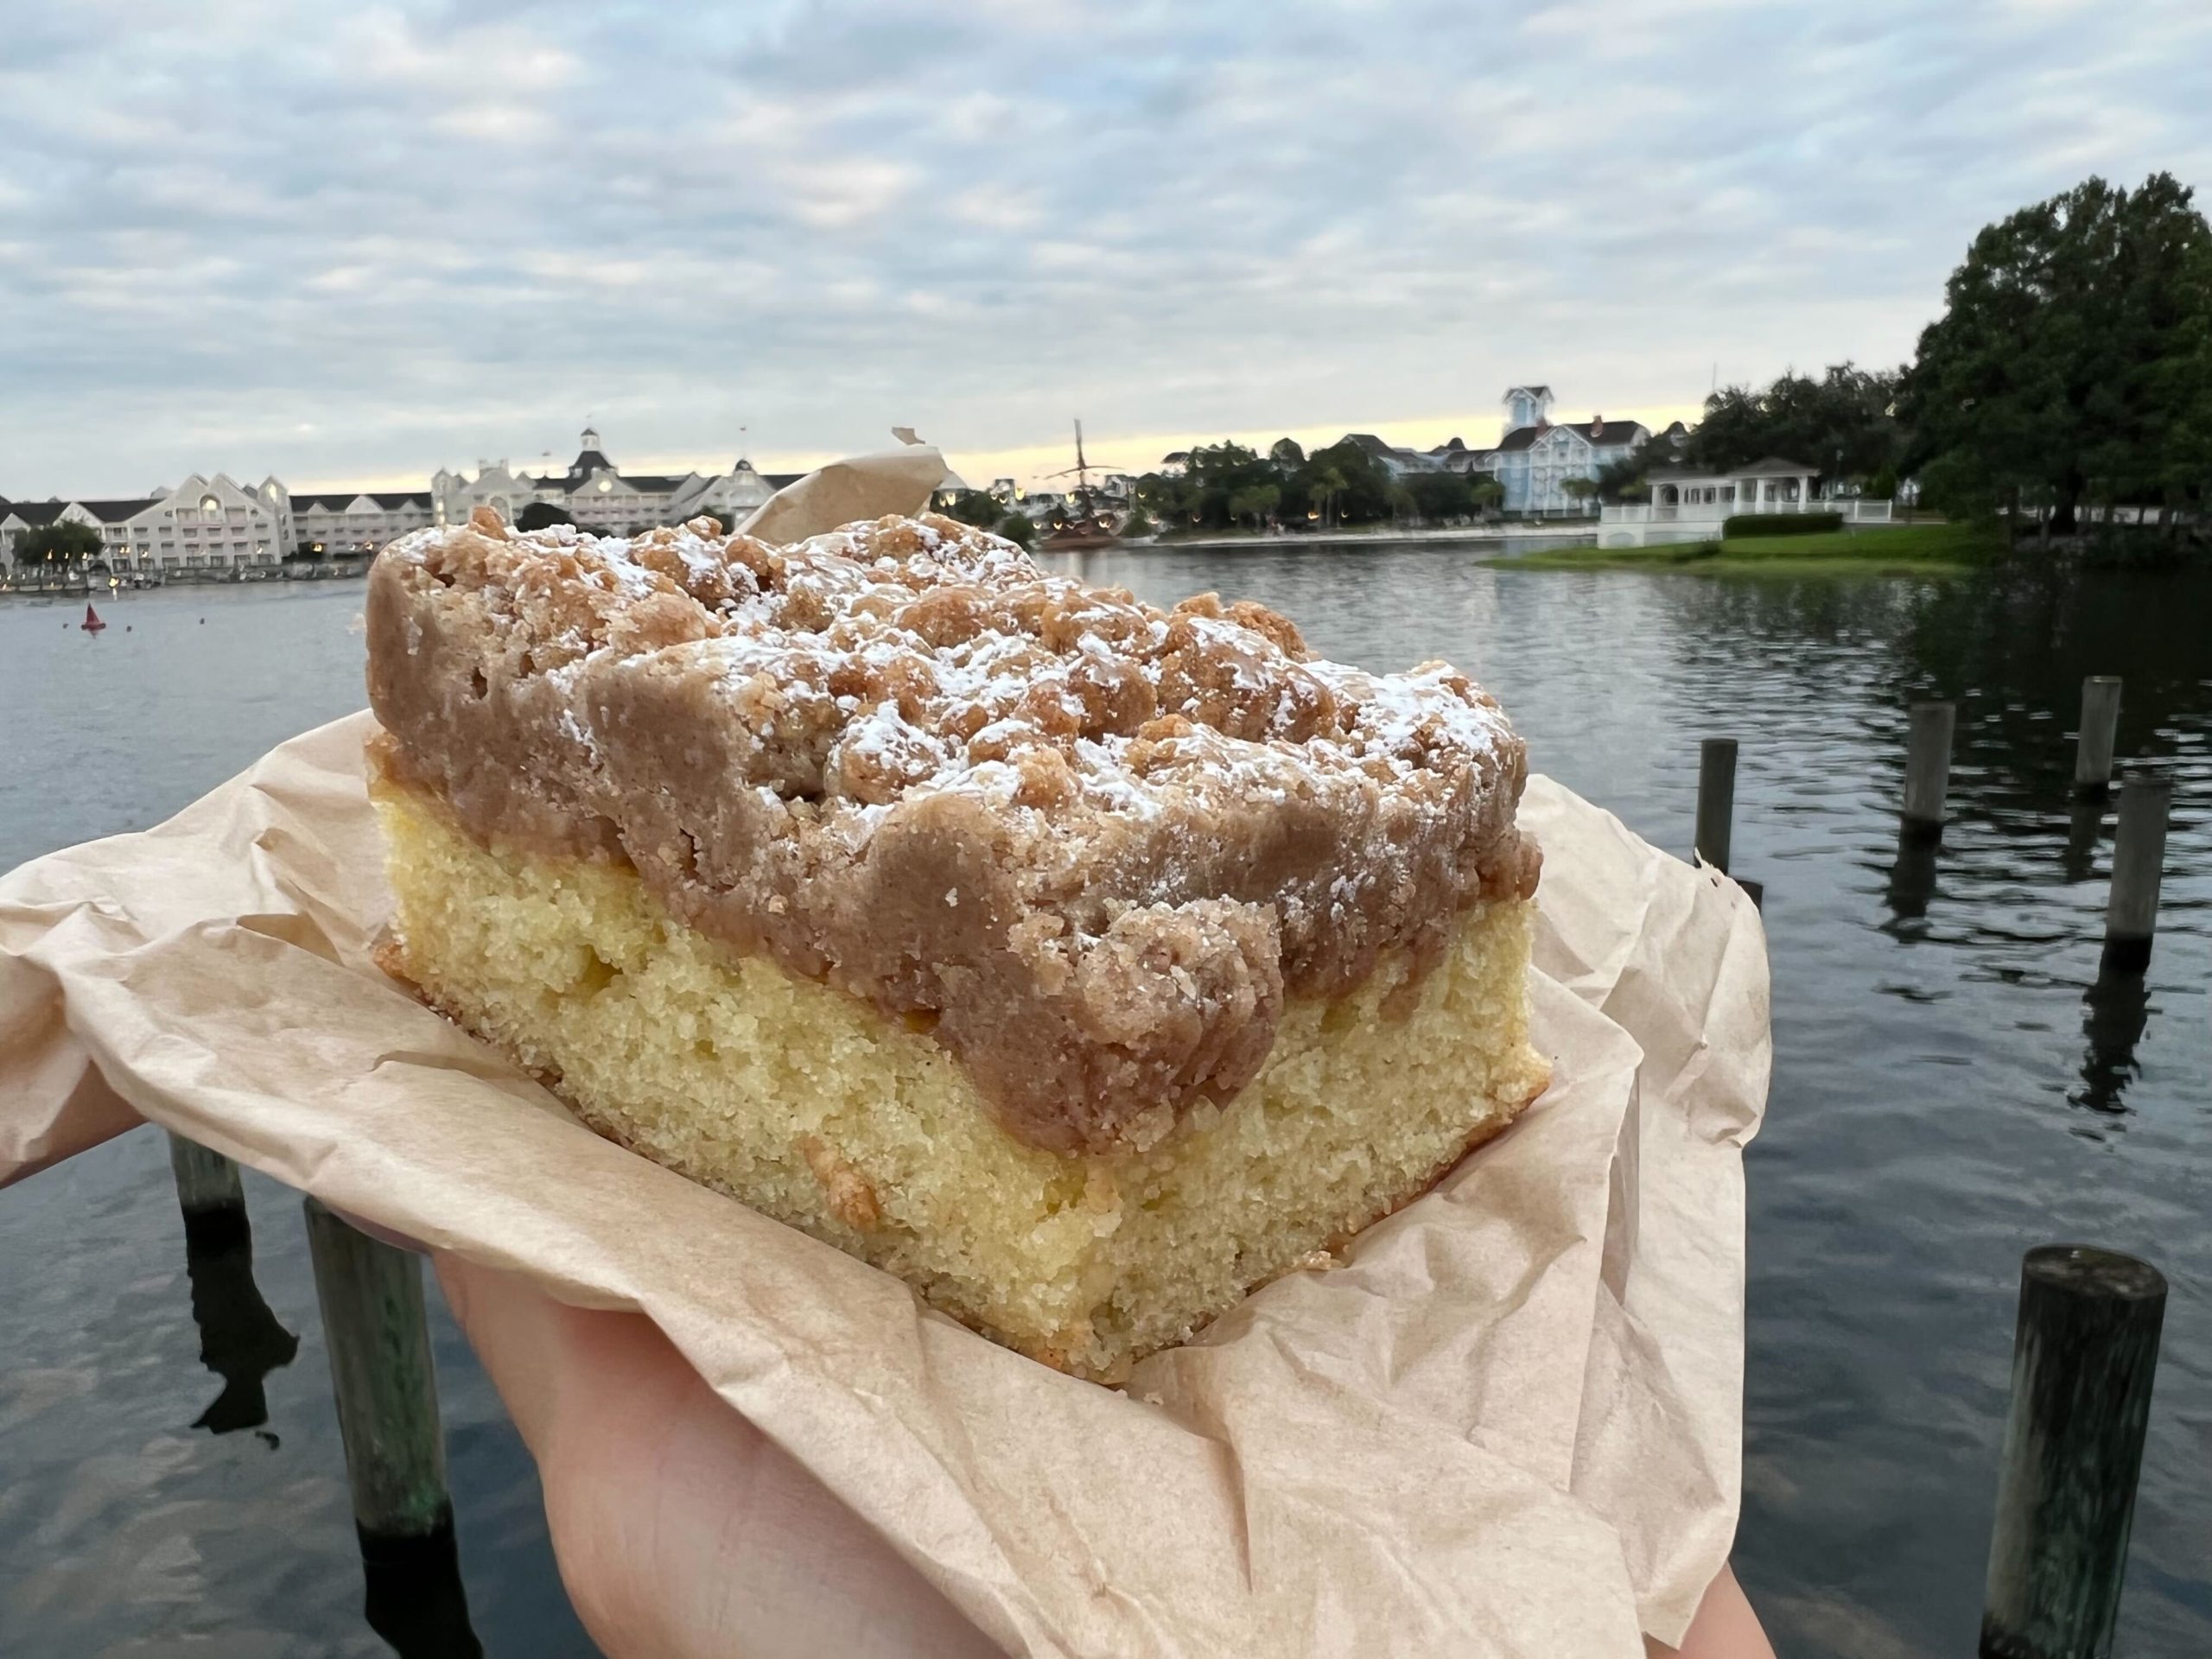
2083 1357
2100 730
2138 856
1928 767
1912 882
1716 800
210 1193
380 1342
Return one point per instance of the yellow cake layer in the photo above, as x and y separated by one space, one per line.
810 1106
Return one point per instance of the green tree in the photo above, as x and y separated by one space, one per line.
1161 495
1360 493
2053 366
1324 484
1486 494
1842 425
1579 490
1216 475
2179 461
1255 502
977 507
1139 523
1622 479
1016 528
63 542
1437 496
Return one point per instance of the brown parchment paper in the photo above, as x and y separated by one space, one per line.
1509 1423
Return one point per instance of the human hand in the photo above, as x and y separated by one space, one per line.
684 1533
1725 1628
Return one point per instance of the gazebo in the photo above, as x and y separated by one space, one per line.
1690 506
1773 485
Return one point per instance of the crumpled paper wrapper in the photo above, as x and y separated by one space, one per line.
1509 1423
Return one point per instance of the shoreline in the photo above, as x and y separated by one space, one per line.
94 590
1920 549
1573 532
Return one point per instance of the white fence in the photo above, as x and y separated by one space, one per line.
1634 524
1853 509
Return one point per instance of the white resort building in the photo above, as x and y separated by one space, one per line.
1533 458
350 522
214 523
204 524
598 495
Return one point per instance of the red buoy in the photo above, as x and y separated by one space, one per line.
92 623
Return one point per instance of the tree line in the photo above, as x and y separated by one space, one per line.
2071 368
1230 486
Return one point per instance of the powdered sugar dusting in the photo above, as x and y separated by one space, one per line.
886 661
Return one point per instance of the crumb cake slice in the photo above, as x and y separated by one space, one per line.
1085 964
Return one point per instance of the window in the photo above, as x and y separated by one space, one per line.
210 507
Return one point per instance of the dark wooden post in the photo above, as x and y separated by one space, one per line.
2083 1362
379 1343
210 1192
240 1339
2138 857
1928 767
1716 800
2100 730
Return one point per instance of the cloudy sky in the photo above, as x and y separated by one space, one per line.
350 244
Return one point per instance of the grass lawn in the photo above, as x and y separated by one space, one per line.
1906 550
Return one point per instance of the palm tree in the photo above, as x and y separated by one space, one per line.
1326 483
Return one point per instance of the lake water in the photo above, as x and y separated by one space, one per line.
1947 1092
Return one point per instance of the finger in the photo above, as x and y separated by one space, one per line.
1725 1628
382 1234
524 1338
679 1528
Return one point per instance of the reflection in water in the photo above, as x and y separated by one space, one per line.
2085 823
1912 884
240 1340
2118 1008
416 1600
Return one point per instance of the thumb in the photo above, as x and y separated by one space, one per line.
680 1529
556 1367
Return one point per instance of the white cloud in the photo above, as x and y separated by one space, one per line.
430 231
846 191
